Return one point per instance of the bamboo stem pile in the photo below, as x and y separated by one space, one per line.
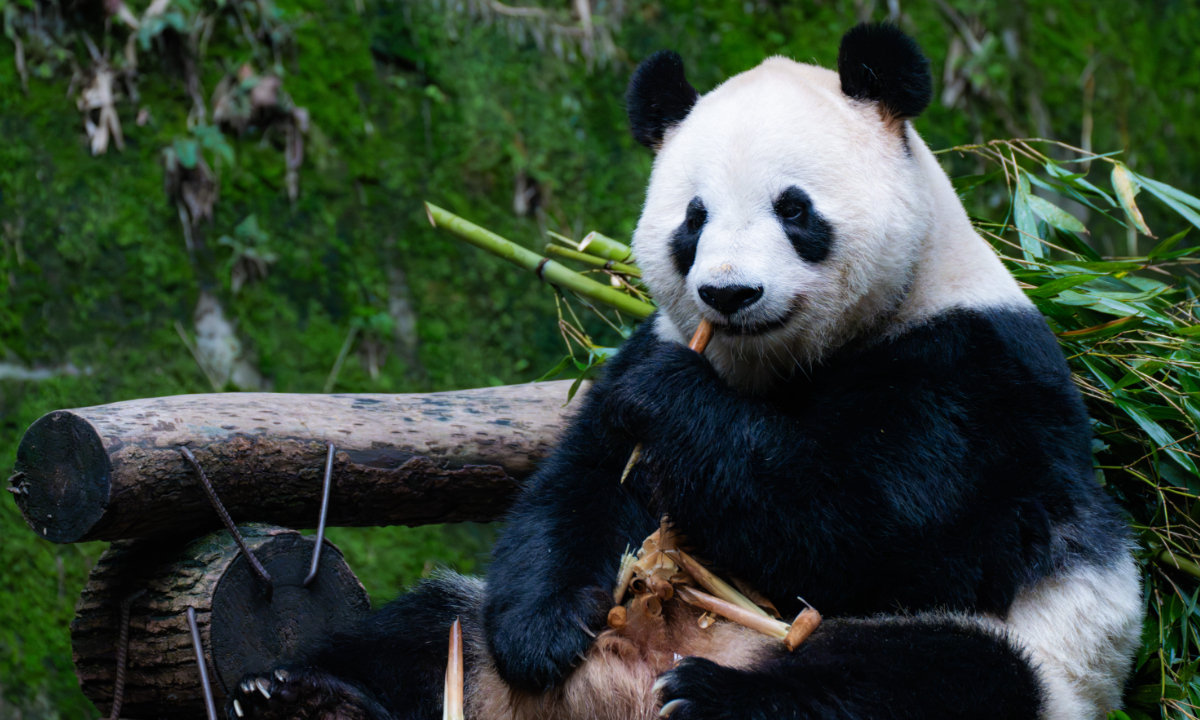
661 571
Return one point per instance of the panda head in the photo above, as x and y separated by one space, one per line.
785 206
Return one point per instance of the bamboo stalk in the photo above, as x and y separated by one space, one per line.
546 269
603 246
624 575
791 635
593 260
714 584
452 704
740 615
704 333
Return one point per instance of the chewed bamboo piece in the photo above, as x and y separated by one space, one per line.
714 584
624 575
704 333
791 635
452 703
661 570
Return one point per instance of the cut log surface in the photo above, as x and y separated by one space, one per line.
114 471
241 630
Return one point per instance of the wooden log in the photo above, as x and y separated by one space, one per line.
241 631
114 471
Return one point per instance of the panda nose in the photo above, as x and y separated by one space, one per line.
731 298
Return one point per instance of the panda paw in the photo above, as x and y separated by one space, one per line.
645 399
299 694
699 689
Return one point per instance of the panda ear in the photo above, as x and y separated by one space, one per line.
878 62
659 97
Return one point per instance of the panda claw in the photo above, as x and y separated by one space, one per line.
659 684
237 707
281 675
263 688
671 707
247 687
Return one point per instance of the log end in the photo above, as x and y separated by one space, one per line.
63 477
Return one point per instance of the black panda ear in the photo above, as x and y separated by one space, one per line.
878 62
659 97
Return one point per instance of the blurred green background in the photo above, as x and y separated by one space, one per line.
181 263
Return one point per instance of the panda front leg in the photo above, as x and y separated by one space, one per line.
301 693
939 667
391 666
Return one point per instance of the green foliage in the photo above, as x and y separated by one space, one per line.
412 100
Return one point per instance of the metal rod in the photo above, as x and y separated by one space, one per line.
316 558
255 565
209 705
122 654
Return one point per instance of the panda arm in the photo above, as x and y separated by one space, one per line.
554 568
691 421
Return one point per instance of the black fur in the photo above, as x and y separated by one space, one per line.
810 233
945 469
687 236
878 62
392 666
659 97
899 669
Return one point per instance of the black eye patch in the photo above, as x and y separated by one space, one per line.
687 236
810 234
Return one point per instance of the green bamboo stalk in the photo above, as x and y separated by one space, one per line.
603 246
548 270
1170 559
593 260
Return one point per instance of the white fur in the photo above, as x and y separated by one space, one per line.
1080 629
903 246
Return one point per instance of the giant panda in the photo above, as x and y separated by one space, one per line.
883 425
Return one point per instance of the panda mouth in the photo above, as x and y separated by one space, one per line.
757 328
763 327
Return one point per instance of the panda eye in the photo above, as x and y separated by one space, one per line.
696 215
792 205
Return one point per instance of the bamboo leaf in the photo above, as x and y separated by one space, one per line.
966 183
1126 187
1172 201
1155 431
1073 242
1078 180
556 370
1112 327
1054 287
1166 189
1167 244
1055 215
1026 222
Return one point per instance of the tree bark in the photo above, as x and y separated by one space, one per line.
114 471
241 630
